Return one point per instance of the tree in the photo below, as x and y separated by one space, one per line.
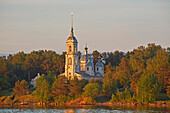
123 72
149 88
21 88
74 87
109 83
42 92
160 66
83 83
60 87
137 66
92 90
96 55
168 88
28 65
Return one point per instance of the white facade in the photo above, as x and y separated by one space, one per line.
83 68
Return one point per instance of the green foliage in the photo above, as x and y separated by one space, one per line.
109 84
148 87
4 85
123 72
160 66
90 100
42 92
62 99
162 97
83 83
92 90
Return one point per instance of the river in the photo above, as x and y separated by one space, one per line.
82 109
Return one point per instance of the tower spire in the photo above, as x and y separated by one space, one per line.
71 24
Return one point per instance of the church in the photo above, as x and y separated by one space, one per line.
83 67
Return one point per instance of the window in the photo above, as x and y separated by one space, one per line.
75 49
87 68
69 73
97 69
70 61
75 61
70 49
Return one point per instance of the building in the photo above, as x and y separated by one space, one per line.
83 67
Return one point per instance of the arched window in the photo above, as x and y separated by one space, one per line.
70 61
70 49
97 69
75 49
75 61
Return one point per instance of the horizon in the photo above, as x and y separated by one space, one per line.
105 26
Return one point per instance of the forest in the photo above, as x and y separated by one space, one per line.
141 75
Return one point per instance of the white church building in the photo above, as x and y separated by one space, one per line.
83 67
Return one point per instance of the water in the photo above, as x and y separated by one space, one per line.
82 109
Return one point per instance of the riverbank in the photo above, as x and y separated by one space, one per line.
157 104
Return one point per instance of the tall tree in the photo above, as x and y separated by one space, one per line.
149 88
42 92
21 88
60 87
109 85
123 72
74 87
160 67
137 64
92 90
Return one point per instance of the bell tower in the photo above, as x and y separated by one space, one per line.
71 58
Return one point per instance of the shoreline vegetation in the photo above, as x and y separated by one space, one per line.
138 78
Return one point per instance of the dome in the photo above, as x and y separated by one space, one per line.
99 63
90 64
70 38
83 58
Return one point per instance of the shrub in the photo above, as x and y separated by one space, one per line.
114 99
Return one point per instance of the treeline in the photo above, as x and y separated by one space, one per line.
141 75
26 66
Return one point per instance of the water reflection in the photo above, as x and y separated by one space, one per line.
82 109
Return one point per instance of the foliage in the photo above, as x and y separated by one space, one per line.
92 90
4 85
91 80
21 88
109 84
148 87
26 66
42 92
83 83
62 99
114 99
123 72
60 87
74 87
8 100
162 97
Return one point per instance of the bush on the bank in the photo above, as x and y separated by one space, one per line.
62 99
8 100
162 97
114 99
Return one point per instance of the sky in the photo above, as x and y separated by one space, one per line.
104 25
